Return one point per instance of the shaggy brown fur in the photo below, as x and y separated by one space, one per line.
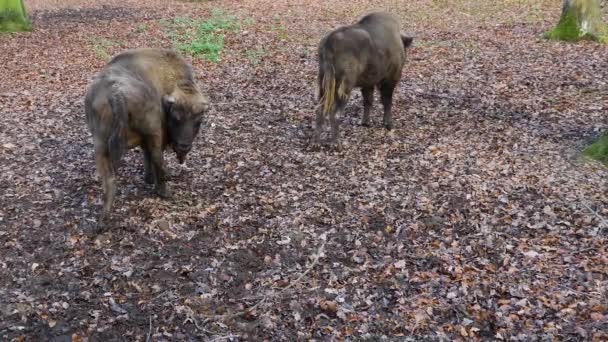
368 54
147 98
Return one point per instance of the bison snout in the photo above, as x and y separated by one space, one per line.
182 148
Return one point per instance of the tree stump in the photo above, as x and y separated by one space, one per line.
580 19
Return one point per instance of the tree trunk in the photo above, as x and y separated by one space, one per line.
580 19
13 16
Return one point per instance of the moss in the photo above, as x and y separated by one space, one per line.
13 17
598 150
568 29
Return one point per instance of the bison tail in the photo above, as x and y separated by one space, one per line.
118 133
330 87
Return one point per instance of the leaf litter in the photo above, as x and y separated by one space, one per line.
474 219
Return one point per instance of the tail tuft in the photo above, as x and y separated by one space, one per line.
118 138
329 89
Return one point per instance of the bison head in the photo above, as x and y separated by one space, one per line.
184 109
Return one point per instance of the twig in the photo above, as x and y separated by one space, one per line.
310 267
263 300
589 294
603 221
190 314
149 330
192 318
224 338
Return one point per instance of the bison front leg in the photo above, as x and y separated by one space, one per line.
108 179
368 101
148 173
148 170
156 164
386 92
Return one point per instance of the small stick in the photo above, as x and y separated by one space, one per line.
149 330
312 265
224 338
589 294
292 284
603 221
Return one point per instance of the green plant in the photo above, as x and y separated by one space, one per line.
201 38
101 46
248 21
440 3
279 28
598 150
141 28
255 56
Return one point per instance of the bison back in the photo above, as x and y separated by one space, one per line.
384 30
161 68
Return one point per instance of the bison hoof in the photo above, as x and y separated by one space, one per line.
162 192
101 226
366 123
388 126
336 146
315 147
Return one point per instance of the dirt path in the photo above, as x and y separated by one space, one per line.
474 219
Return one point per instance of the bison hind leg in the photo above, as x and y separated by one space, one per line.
108 179
386 91
368 101
153 144
319 123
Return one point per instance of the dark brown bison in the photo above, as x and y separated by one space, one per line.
368 54
147 98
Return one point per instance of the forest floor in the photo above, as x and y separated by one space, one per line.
476 218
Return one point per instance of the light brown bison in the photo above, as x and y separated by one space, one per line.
147 98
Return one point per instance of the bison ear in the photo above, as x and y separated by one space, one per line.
168 102
407 41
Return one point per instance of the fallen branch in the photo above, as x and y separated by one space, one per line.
149 330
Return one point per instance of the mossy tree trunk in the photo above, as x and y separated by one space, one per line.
599 150
580 19
13 16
